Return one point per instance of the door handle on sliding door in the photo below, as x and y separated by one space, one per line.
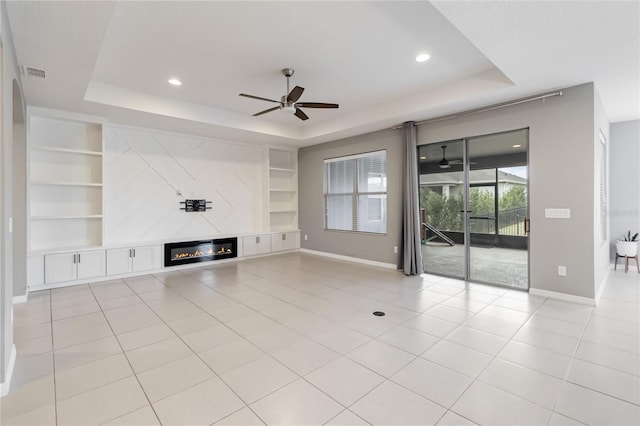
527 225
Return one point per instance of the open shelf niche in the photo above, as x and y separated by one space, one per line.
283 190
65 183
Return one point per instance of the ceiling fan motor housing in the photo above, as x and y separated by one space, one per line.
287 72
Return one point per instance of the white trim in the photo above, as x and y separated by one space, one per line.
355 156
20 299
603 284
58 114
351 259
4 386
562 296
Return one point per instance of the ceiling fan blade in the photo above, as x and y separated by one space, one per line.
317 105
258 97
301 115
266 111
295 94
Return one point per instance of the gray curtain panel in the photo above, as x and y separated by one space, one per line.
411 249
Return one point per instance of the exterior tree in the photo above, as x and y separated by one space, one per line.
444 212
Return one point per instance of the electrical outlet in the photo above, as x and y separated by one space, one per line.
395 249
562 271
306 237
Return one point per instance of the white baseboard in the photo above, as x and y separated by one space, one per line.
351 259
603 284
4 386
20 299
562 296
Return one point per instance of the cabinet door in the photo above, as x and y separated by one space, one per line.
291 241
277 242
59 267
35 270
146 258
264 246
250 245
91 264
118 261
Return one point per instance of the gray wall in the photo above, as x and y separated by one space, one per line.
373 247
624 181
561 172
19 197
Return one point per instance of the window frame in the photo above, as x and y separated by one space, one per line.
355 195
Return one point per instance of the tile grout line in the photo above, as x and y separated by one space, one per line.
53 359
216 375
128 362
299 377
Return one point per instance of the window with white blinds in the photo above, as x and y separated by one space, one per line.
355 192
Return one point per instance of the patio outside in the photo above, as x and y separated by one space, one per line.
496 265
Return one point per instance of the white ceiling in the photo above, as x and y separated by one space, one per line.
113 59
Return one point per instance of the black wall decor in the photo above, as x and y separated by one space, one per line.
195 205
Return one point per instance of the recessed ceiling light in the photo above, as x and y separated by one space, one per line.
423 57
423 158
175 82
516 146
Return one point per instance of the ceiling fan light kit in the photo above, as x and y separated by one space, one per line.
290 102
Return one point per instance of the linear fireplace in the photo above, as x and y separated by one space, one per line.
200 251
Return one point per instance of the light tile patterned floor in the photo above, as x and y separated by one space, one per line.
291 339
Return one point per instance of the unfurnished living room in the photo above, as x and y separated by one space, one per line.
319 213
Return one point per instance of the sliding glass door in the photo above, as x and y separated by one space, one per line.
474 210
442 200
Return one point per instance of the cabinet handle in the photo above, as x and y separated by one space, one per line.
257 240
78 257
74 258
284 237
134 252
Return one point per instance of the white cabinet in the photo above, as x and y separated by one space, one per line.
285 241
258 244
134 259
65 183
35 270
61 267
283 190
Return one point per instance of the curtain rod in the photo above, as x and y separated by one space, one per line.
485 108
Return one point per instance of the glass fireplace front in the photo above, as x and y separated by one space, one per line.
199 251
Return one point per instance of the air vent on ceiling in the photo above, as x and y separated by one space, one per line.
34 72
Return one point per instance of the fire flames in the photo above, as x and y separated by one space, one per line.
198 253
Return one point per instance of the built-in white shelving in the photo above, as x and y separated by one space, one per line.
66 150
65 183
283 190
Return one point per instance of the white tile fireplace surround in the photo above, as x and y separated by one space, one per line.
291 339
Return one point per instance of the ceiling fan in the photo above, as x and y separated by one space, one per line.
444 163
290 102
